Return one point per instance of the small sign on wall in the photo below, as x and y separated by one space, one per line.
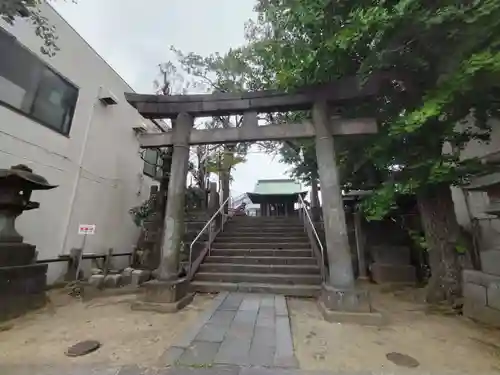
86 229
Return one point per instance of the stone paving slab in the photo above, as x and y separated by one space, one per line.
232 302
264 336
262 356
210 370
192 332
237 329
250 304
199 353
234 351
215 370
280 306
222 318
212 333
284 356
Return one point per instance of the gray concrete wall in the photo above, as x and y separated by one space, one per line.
97 166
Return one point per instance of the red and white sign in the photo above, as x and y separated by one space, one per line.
86 229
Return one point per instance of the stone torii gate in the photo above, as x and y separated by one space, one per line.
167 292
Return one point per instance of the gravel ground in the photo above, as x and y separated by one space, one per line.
127 337
441 344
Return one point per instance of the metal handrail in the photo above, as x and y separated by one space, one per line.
209 222
304 208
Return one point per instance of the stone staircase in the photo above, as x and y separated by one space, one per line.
256 254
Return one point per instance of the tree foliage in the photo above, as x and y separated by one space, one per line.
11 10
448 54
447 57
230 72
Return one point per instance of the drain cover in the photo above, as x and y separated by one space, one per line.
82 348
402 359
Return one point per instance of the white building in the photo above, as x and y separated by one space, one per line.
52 120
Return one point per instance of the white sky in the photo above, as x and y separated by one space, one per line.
134 37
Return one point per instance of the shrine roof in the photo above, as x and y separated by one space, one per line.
277 187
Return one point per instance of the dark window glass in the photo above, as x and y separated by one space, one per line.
29 86
152 163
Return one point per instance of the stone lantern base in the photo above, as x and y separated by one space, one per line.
22 282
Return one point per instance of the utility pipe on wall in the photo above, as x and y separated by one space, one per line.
76 182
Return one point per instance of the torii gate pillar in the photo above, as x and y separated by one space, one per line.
340 301
169 292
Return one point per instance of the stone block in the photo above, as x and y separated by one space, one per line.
490 262
112 281
391 254
393 273
483 314
140 276
96 281
127 275
480 278
493 295
16 254
349 300
475 293
19 280
16 305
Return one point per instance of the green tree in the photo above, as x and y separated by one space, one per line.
230 72
446 54
11 10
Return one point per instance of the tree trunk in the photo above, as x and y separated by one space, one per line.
315 206
442 234
226 176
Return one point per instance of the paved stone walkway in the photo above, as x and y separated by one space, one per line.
238 329
136 370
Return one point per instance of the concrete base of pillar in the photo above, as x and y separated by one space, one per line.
164 296
373 318
348 306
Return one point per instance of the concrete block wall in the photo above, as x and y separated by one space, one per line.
482 297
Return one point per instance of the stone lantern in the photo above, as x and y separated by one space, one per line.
22 281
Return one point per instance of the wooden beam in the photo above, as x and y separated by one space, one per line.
342 91
338 127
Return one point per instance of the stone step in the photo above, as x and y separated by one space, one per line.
309 260
260 245
233 233
293 269
287 279
262 252
266 227
258 239
287 290
266 218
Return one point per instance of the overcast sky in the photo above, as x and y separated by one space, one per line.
134 37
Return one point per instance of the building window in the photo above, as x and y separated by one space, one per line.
152 163
30 87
